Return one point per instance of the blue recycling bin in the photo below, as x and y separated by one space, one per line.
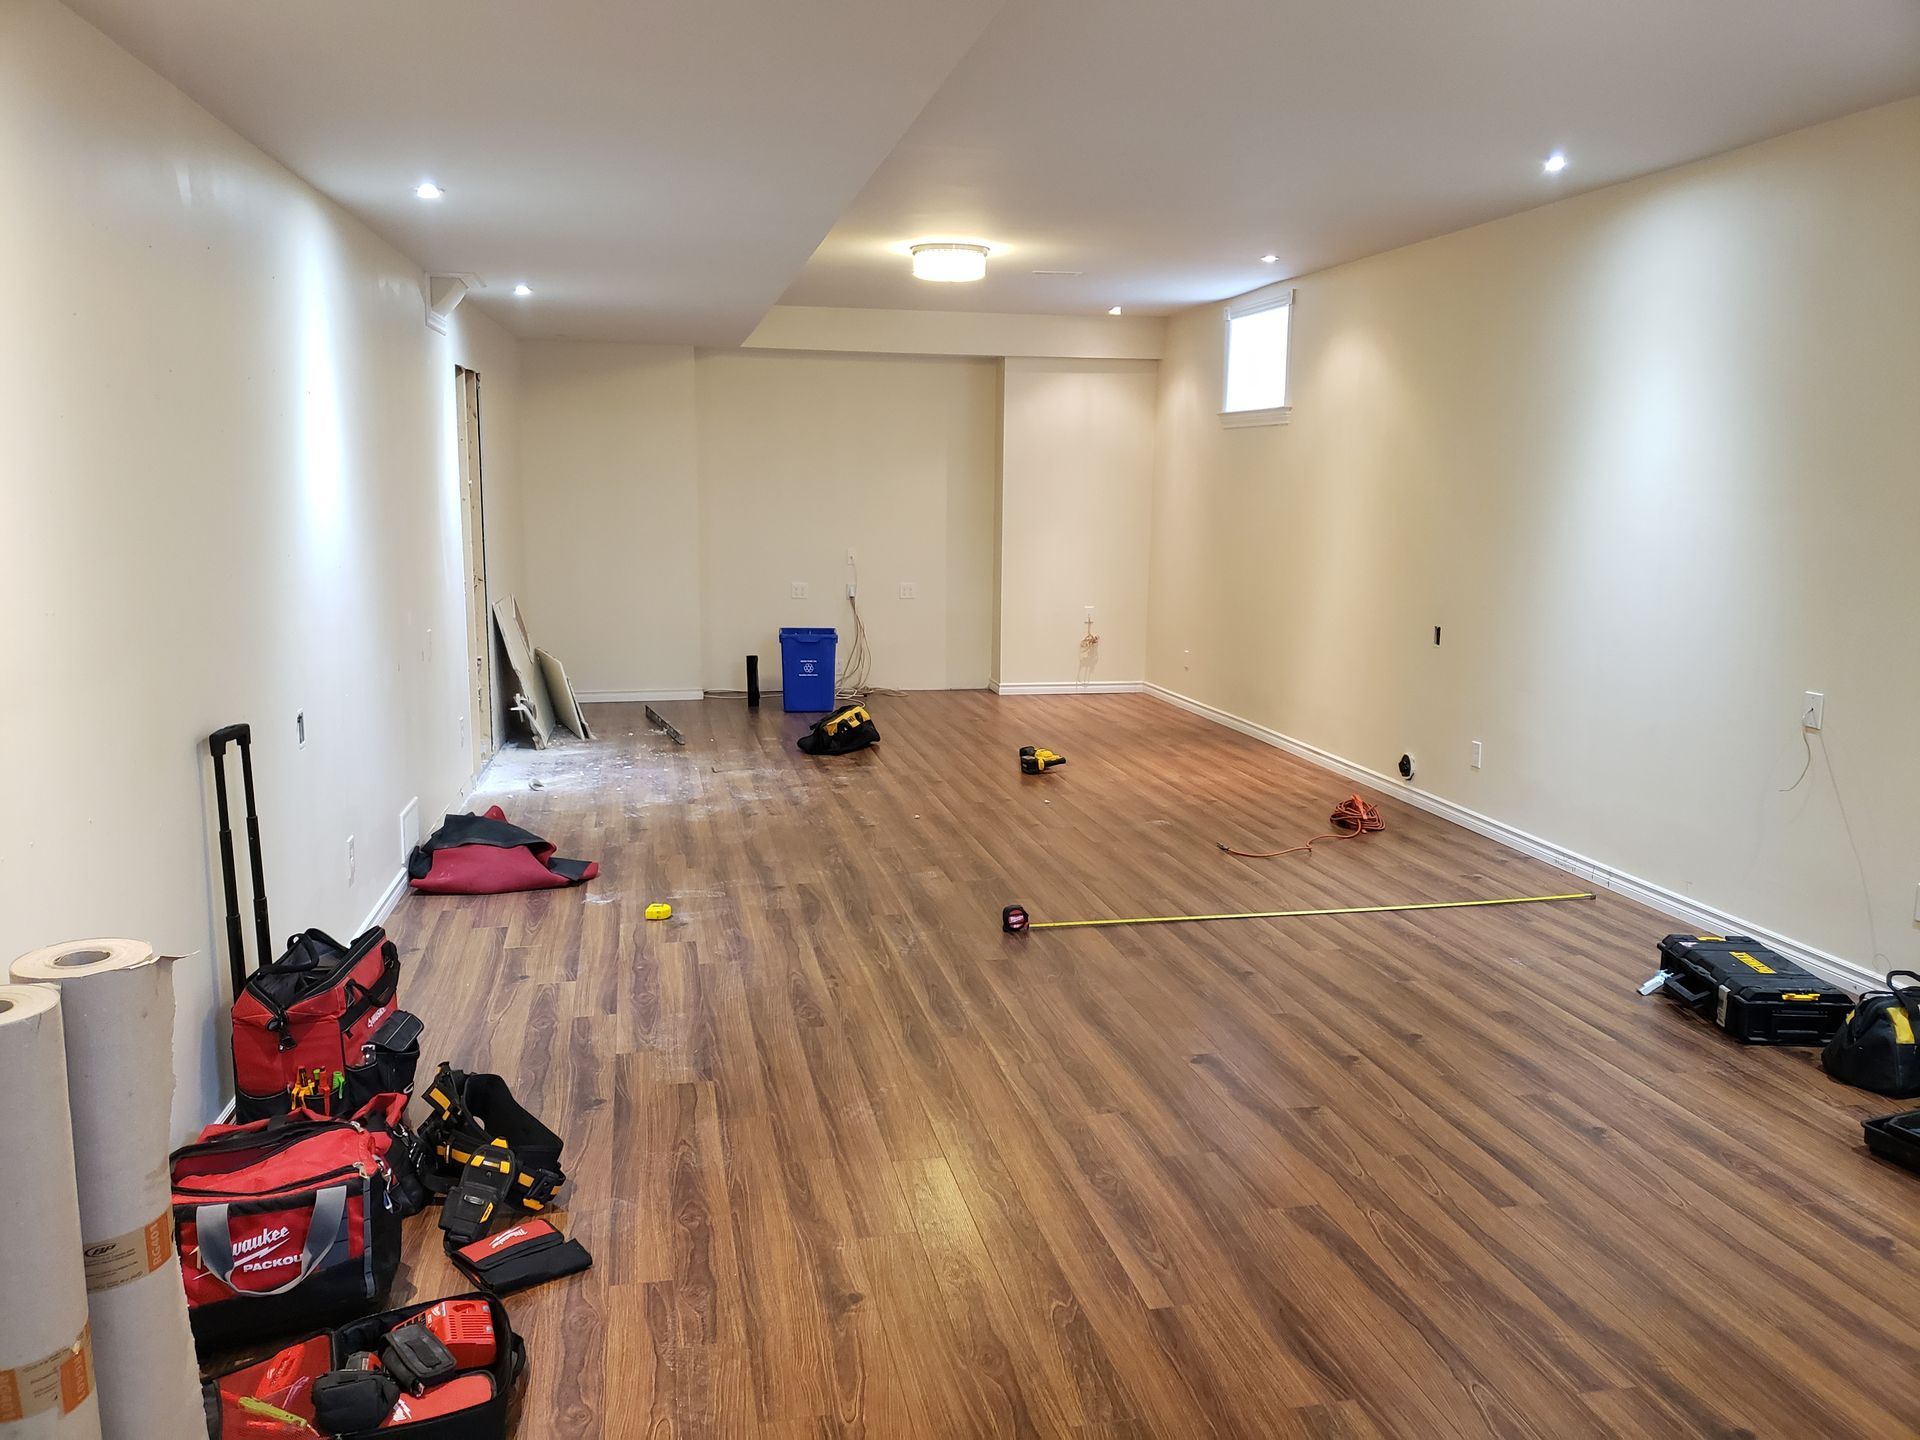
806 667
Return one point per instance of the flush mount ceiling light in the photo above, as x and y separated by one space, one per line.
1114 311
1554 163
1269 259
523 290
427 190
951 261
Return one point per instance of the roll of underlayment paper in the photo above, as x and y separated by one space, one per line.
46 1356
116 997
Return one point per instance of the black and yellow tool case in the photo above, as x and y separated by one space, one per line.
1755 994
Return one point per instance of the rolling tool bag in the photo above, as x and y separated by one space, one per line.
1874 1048
288 1223
1754 994
316 1028
484 1153
276 1396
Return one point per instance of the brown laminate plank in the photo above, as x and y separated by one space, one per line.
854 1164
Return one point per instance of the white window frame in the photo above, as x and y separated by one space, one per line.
1272 415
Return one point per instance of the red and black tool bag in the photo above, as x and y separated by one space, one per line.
484 855
321 1011
285 1381
286 1224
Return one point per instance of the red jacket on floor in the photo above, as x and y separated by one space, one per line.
484 855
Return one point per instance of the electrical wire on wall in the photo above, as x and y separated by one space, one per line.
856 670
1880 960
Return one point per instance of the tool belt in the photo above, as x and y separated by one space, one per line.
476 1116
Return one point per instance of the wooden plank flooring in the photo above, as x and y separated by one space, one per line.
854 1163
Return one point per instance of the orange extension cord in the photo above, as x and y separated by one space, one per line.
1351 818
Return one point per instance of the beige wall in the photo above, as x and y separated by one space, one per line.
803 457
227 492
1651 456
1076 480
672 498
610 514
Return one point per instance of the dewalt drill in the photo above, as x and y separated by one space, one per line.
1036 760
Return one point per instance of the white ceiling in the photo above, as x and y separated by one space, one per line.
654 169
1163 146
662 169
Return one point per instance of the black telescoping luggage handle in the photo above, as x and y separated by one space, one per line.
217 742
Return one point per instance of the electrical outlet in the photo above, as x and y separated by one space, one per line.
1916 904
352 864
849 555
1089 614
1813 710
1476 754
907 591
300 728
799 591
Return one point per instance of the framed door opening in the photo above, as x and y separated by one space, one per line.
473 528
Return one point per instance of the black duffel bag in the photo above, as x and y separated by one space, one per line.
1875 1049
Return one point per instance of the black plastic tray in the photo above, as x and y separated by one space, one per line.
1896 1138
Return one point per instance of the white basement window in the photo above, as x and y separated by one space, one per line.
1256 370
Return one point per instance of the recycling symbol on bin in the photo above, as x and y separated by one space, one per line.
809 667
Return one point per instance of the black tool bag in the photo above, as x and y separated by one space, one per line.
1875 1047
1754 994
841 733
471 1115
287 1380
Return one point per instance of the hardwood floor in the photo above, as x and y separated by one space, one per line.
853 1162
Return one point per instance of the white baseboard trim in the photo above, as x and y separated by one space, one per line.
1069 687
390 897
631 697
1696 914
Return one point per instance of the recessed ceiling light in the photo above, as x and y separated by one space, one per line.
1057 272
951 261
523 289
427 190
1269 259
1114 311
1554 163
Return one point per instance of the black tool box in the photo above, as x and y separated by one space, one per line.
1895 1138
1754 994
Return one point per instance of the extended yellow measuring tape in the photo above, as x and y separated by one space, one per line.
1014 919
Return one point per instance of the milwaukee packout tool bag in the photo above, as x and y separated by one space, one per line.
317 1028
289 1223
485 855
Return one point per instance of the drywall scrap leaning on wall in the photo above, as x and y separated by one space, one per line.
530 699
561 690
